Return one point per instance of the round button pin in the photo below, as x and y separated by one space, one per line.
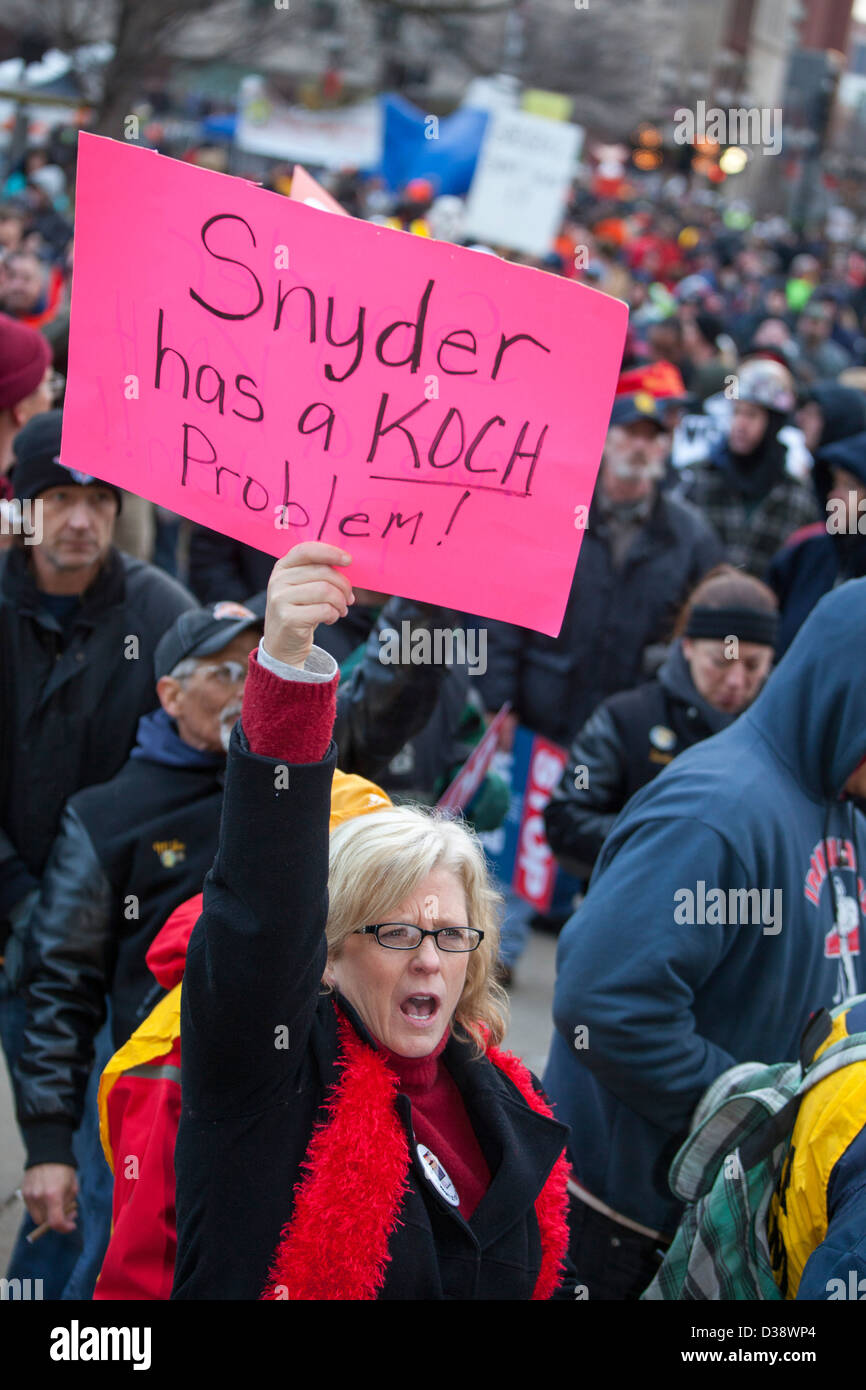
437 1175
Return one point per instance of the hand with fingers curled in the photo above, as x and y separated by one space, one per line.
306 588
50 1190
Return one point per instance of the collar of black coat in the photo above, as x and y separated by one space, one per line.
107 589
520 1147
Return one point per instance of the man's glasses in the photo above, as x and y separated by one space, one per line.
403 936
225 672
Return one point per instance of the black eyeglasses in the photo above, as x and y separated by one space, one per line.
403 936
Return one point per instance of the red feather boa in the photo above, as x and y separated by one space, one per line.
336 1246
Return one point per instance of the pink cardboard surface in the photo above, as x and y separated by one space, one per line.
305 189
280 374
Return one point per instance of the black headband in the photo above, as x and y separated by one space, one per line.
748 624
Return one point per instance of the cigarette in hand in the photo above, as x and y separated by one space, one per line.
40 1231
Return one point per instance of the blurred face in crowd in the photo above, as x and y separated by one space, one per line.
810 419
206 703
728 683
407 998
748 427
634 460
38 401
776 303
696 345
23 284
848 488
772 333
11 230
815 325
665 341
77 527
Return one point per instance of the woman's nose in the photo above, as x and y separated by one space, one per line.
427 954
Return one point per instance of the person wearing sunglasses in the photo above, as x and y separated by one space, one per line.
350 1127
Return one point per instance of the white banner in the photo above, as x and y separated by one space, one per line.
341 137
522 181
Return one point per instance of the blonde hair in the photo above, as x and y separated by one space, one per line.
378 860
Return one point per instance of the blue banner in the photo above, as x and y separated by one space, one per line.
443 149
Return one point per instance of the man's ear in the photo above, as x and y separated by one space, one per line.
170 694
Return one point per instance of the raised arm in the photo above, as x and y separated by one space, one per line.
256 956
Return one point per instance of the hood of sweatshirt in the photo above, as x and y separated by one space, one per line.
676 677
843 408
158 740
812 711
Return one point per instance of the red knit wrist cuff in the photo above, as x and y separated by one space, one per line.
288 719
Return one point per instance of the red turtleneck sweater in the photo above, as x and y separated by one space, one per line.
294 720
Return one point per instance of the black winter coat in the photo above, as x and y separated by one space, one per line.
612 616
255 962
70 705
627 742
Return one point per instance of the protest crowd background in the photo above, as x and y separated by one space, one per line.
690 747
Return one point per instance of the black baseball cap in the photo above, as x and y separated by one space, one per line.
201 632
37 460
638 405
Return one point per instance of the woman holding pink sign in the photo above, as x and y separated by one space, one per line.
351 1128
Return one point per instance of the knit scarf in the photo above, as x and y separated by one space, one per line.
355 1177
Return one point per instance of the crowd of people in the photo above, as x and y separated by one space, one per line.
254 986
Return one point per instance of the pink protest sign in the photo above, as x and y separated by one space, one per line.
279 374
306 190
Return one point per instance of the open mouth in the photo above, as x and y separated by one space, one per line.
420 1009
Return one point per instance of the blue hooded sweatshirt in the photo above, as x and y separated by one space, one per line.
665 975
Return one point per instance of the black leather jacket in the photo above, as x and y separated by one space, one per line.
627 742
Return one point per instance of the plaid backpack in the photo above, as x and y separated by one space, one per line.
730 1166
